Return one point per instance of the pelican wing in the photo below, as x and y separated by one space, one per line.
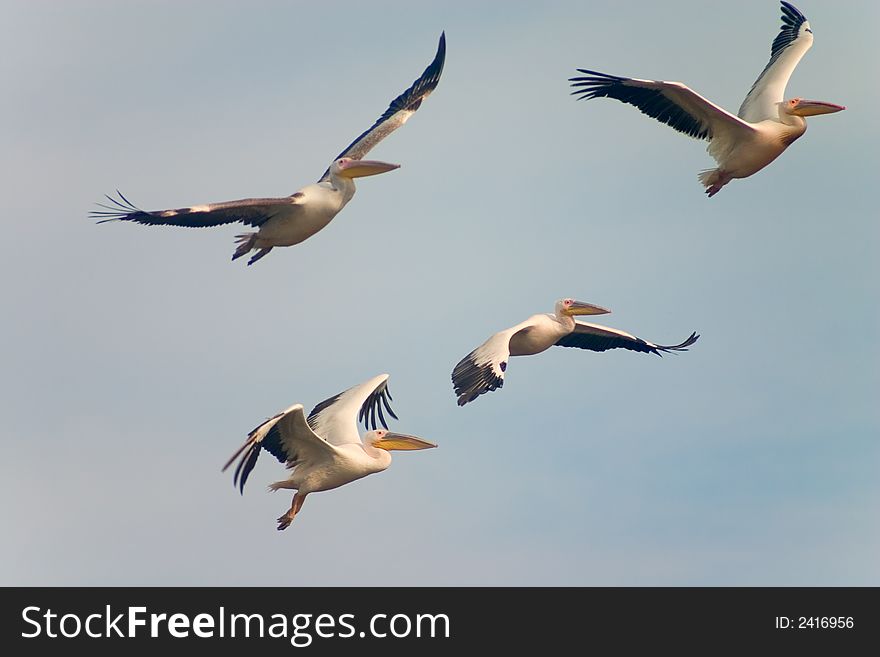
672 103
483 369
336 419
400 109
602 338
250 211
794 39
286 436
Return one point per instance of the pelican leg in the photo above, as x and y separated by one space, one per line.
714 180
285 520
714 189
720 181
259 255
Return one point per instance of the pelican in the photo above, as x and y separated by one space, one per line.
483 369
292 219
741 145
325 451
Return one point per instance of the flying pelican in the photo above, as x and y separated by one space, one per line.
325 451
292 219
741 145
483 369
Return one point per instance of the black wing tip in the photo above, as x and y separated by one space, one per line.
683 346
423 85
246 463
650 101
470 380
465 399
427 81
373 405
791 11
469 395
229 462
592 83
249 453
596 77
385 399
440 56
792 18
119 209
431 75
598 74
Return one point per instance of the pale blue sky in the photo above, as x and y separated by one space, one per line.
137 359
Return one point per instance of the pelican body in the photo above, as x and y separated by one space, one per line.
744 144
325 450
292 219
483 369
310 209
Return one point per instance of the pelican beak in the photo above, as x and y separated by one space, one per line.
401 441
361 168
814 107
581 308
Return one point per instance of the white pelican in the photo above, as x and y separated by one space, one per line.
483 369
290 220
325 451
741 145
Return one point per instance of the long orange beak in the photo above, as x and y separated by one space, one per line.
362 168
581 308
815 107
401 441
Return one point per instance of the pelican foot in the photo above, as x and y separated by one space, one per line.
284 521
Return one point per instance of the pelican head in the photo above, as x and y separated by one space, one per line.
379 443
573 307
389 440
346 167
803 107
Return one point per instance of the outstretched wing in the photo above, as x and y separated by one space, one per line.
602 338
672 103
336 419
251 211
793 41
286 436
483 369
400 109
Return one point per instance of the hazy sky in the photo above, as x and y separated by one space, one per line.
136 359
